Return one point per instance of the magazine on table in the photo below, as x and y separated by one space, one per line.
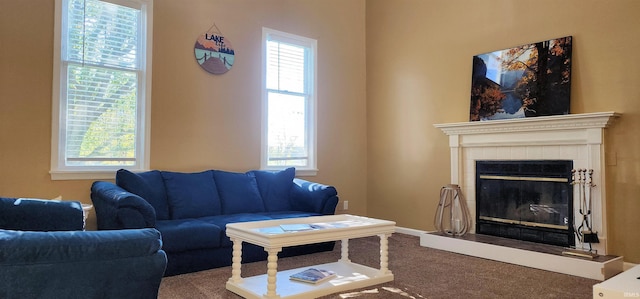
313 275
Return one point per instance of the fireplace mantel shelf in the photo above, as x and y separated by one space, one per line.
542 123
570 129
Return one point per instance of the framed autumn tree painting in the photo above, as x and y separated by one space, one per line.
524 81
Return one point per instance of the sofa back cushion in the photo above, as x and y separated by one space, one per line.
275 188
191 195
238 192
148 185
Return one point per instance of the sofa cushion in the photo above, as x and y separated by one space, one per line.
238 192
188 234
191 195
275 188
148 185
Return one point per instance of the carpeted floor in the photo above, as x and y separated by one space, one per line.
419 273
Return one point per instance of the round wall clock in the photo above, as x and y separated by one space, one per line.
213 51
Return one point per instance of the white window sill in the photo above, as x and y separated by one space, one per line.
306 172
61 175
300 172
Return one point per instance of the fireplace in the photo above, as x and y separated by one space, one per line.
529 200
578 138
575 137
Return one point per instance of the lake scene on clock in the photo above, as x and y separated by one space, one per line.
524 81
213 52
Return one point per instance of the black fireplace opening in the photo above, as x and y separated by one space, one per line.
529 200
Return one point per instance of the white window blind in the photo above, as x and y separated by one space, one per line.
290 101
286 67
103 73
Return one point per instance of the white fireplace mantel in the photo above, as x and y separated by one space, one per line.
576 137
542 123
555 130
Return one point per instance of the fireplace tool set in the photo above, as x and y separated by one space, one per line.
582 180
452 215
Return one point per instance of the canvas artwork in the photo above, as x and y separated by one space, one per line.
524 81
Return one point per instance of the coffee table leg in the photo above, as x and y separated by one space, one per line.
236 260
344 243
384 254
272 271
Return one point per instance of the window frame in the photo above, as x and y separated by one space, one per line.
310 106
59 170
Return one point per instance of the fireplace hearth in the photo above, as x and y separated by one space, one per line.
529 200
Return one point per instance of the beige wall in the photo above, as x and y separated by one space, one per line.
377 144
419 74
198 120
204 121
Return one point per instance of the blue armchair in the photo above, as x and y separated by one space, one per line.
45 254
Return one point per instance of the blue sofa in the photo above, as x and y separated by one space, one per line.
191 210
44 253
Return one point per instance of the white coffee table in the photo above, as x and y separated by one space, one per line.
270 235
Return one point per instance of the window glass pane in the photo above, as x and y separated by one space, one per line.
285 67
101 116
287 144
102 33
272 65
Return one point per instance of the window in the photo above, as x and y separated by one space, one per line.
289 102
102 87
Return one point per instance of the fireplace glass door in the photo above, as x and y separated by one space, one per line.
526 200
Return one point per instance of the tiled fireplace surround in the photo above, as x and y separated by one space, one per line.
577 137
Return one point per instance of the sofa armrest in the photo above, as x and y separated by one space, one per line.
40 215
313 197
81 264
117 208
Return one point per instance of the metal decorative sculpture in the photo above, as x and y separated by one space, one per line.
452 216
